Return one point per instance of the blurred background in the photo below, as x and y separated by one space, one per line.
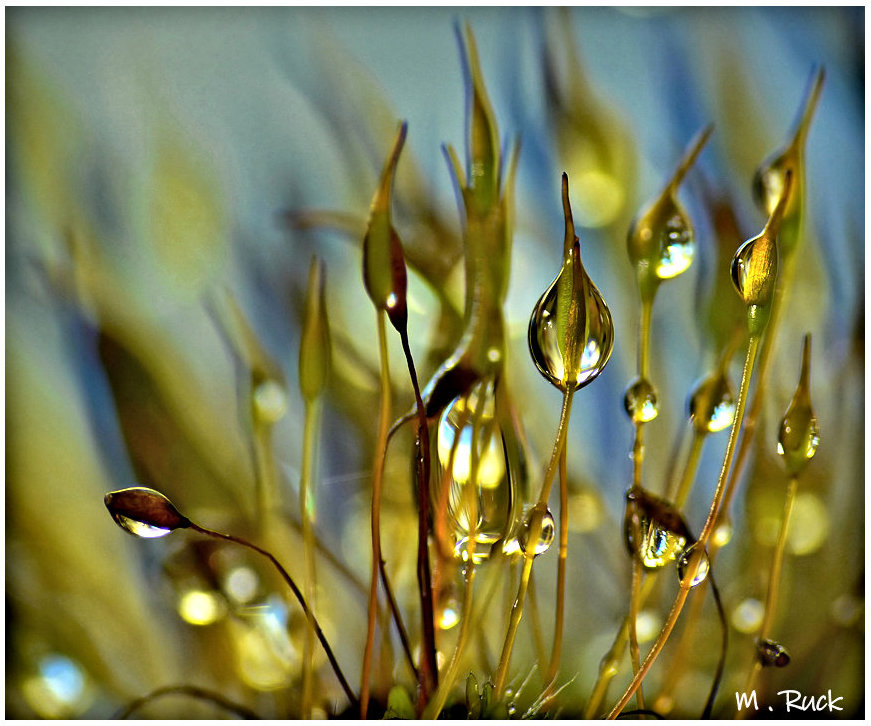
171 172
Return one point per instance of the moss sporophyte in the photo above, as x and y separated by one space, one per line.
481 503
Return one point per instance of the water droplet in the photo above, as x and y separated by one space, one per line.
769 181
754 270
640 401
683 564
199 607
270 401
470 445
799 430
654 531
545 344
772 653
140 529
677 248
571 334
712 404
539 516
747 616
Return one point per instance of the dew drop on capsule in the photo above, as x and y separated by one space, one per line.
799 430
683 564
547 530
544 340
140 529
640 401
712 404
772 653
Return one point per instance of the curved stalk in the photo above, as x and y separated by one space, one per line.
297 594
375 516
192 692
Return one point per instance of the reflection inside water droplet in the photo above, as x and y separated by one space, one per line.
545 339
712 404
640 402
140 529
677 248
547 530
471 451
683 565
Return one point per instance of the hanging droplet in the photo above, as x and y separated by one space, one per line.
539 516
144 512
654 531
571 333
471 454
683 564
640 402
755 265
661 241
772 653
799 430
712 404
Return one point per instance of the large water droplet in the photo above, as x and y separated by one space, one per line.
712 404
545 343
471 454
653 529
539 516
640 401
683 564
772 653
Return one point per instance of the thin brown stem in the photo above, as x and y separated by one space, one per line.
559 615
297 594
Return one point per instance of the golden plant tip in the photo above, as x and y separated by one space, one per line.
315 349
799 434
144 512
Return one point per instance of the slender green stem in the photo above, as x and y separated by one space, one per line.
711 521
307 513
559 615
534 534
680 494
264 474
375 516
297 594
774 578
634 607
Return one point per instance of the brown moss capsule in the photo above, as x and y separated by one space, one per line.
144 512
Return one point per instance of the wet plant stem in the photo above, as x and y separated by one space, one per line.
334 664
634 607
774 579
446 683
681 493
710 523
559 615
533 536
428 672
375 516
307 509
